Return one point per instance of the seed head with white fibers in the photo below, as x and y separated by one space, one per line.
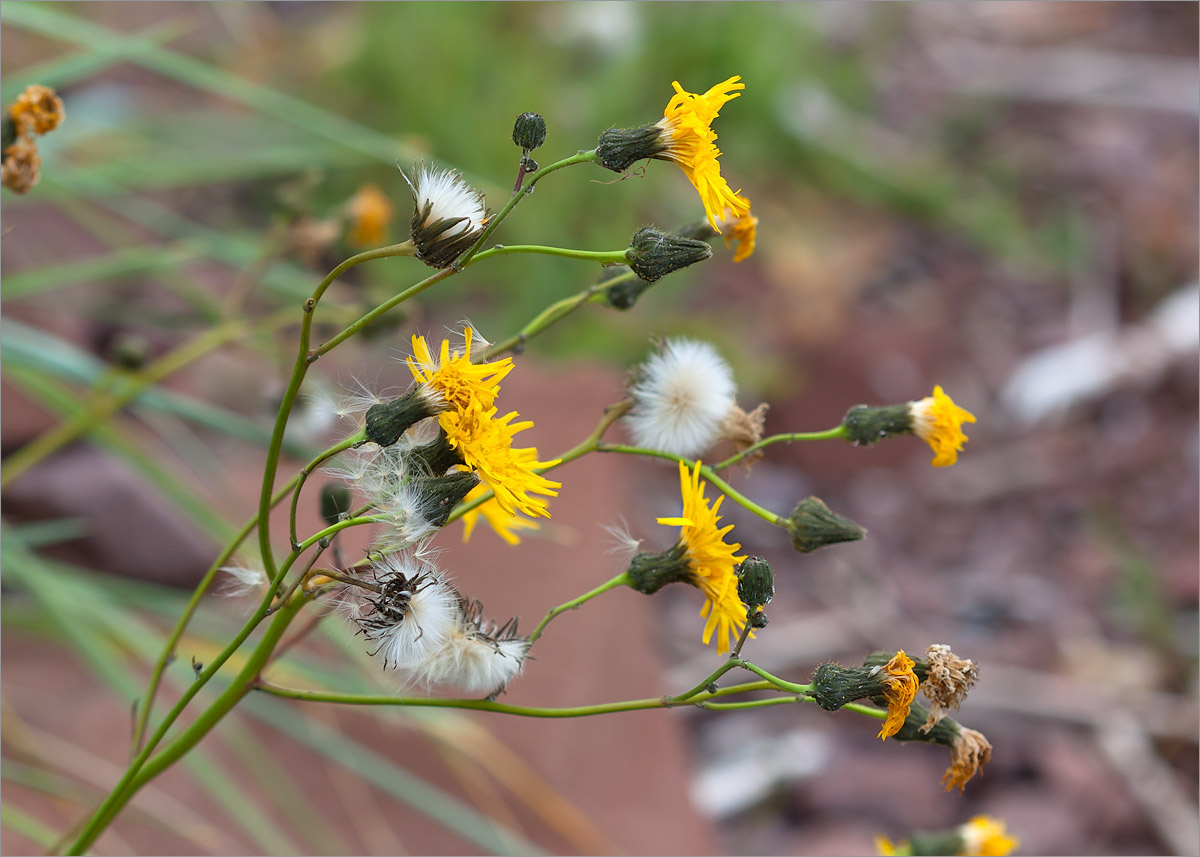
478 656
681 398
412 614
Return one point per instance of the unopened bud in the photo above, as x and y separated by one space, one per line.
440 494
335 502
653 254
529 131
437 456
650 572
814 525
756 581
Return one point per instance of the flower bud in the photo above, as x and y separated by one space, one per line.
440 494
653 254
650 572
814 525
756 581
437 456
386 421
335 502
529 132
621 148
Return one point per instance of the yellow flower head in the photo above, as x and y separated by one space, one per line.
501 521
938 421
900 689
370 212
742 230
710 560
37 110
453 380
686 133
984 836
485 444
887 848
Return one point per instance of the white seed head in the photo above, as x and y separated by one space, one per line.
477 656
413 615
681 398
449 197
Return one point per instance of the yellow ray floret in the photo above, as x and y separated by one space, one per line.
710 560
691 143
938 421
456 382
501 521
742 230
900 685
485 444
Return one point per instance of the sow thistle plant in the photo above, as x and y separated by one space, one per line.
447 449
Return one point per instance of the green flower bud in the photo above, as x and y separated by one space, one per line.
529 131
756 582
653 254
621 148
814 525
386 421
866 425
650 572
440 494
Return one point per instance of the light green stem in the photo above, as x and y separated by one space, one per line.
302 476
828 434
604 257
707 472
547 317
621 579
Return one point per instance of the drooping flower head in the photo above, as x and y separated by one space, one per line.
900 686
938 421
453 381
682 397
370 213
969 752
485 444
684 135
710 561
501 521
449 215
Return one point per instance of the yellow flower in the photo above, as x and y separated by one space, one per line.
984 836
37 110
501 521
742 230
887 848
453 380
710 560
370 212
485 444
938 421
686 133
900 689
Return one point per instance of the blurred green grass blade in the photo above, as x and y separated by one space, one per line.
22 345
27 826
66 402
443 808
49 21
130 260
52 532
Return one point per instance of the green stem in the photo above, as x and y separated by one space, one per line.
302 476
828 434
293 388
706 682
547 317
778 682
621 579
707 472
604 257
168 651
146 769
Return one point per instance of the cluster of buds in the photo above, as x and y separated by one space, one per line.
38 110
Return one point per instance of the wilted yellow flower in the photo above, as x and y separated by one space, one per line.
968 754
22 166
900 686
370 213
37 110
710 560
938 421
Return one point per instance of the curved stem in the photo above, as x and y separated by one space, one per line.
775 680
168 651
550 315
707 472
604 257
621 579
828 434
706 682
302 476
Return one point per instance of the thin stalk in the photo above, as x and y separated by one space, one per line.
708 680
828 434
302 476
707 472
168 651
621 579
604 257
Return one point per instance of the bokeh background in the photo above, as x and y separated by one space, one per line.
1000 198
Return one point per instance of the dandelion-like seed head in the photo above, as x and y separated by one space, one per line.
477 656
710 561
449 215
681 398
411 615
938 421
900 685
